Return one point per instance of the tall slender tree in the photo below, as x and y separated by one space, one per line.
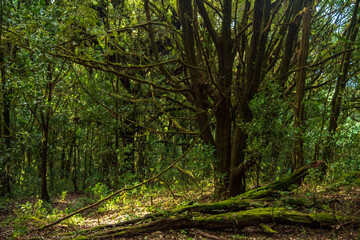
298 155
350 35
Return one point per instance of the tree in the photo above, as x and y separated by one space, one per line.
213 43
298 156
145 77
6 97
349 35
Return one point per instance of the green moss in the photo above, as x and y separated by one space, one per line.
279 215
352 178
296 201
256 193
232 204
266 228
287 183
241 218
81 238
293 217
327 219
251 217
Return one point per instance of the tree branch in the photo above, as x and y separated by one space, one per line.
207 21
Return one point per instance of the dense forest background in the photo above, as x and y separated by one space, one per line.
99 94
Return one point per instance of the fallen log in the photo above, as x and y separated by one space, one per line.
252 208
256 197
230 220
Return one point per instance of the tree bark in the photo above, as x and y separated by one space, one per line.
298 155
5 131
223 113
224 47
197 83
43 165
5 119
254 70
73 156
45 116
290 41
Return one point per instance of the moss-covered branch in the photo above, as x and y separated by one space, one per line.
249 209
252 217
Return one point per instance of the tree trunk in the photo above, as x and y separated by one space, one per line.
63 163
350 34
5 131
298 155
43 165
228 220
45 116
252 82
291 40
224 47
197 83
223 114
86 153
51 175
74 165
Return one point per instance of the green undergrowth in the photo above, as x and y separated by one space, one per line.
127 206
314 195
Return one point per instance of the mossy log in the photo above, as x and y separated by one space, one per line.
258 197
252 217
252 208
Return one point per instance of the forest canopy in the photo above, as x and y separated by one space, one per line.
238 93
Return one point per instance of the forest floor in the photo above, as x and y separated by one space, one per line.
20 216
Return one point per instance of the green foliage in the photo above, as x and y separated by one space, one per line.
111 121
270 136
99 191
28 215
96 193
63 196
350 179
238 236
201 161
4 204
26 182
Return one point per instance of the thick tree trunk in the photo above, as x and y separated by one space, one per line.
224 46
5 118
223 117
252 82
223 146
